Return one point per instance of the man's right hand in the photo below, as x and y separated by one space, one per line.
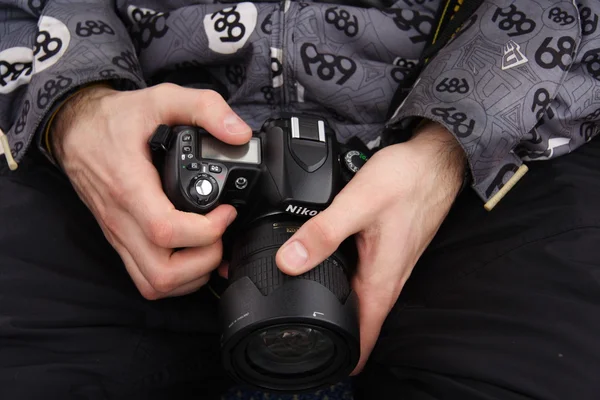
100 139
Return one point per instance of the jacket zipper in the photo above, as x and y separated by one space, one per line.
284 96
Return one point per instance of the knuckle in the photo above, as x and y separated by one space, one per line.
160 232
110 220
145 289
165 87
149 293
157 94
324 232
164 282
208 98
118 192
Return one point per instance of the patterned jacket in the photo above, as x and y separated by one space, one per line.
518 81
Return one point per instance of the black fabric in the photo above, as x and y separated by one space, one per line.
72 325
504 304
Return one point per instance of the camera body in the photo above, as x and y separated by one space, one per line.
294 165
279 332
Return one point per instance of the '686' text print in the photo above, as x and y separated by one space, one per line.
228 29
19 64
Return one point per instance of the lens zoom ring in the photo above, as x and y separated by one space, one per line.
263 272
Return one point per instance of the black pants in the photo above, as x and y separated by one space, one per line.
503 305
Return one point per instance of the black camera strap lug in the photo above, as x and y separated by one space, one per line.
161 138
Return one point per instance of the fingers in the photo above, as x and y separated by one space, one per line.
166 271
190 229
385 265
159 272
114 175
140 192
373 309
320 236
146 289
223 269
164 225
198 107
190 287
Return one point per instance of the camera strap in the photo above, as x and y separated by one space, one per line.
452 16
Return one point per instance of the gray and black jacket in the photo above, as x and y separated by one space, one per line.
518 82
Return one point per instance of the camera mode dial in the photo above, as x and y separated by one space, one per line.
353 160
204 189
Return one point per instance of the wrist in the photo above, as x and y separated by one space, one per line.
65 117
443 155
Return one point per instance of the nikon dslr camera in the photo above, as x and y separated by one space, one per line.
279 333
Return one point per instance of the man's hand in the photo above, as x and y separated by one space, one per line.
395 204
100 138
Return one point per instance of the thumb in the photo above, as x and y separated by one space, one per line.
200 107
319 237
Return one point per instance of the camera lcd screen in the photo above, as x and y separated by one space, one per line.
214 149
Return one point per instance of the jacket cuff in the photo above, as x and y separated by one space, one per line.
489 87
45 128
67 61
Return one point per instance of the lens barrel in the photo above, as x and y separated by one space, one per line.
283 333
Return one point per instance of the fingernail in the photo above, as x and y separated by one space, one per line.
294 255
235 125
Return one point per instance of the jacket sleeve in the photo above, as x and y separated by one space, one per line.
48 50
514 84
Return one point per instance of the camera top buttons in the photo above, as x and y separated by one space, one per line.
193 166
241 183
216 169
187 149
188 156
354 160
186 137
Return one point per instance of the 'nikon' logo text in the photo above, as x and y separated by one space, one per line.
298 210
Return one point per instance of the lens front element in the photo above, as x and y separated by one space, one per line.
289 350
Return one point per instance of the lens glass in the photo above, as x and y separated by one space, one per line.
290 349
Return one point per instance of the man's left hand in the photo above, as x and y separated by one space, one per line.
395 204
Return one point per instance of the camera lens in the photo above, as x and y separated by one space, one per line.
291 349
287 333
